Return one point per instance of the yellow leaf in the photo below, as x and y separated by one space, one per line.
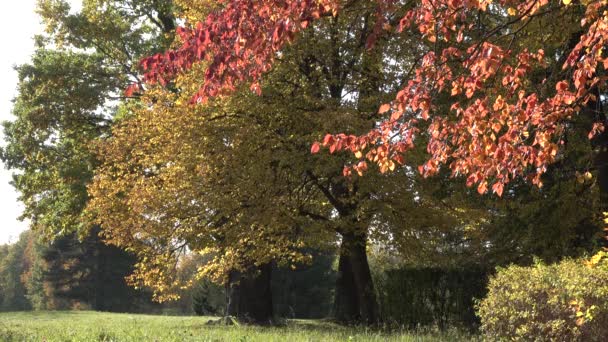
566 2
358 154
512 11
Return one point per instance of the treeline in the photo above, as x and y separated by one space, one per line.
68 273
72 273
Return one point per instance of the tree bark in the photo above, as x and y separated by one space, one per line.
249 298
355 300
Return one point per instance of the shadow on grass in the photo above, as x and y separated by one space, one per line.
329 326
322 325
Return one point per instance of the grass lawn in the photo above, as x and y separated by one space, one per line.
97 326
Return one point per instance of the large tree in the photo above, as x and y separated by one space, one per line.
496 87
235 177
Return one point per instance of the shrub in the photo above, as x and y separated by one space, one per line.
430 296
567 301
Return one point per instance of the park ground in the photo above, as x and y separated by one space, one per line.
96 326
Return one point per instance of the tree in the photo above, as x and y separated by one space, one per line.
475 53
89 274
12 265
33 277
64 103
234 177
493 104
169 184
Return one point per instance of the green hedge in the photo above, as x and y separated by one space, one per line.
567 301
414 297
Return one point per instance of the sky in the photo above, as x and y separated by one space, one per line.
18 25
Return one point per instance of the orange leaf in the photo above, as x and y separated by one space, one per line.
498 188
561 86
384 108
482 188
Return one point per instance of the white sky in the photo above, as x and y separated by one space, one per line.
18 24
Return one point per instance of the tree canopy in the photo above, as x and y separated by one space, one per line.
508 110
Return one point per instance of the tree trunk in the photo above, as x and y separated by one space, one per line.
355 301
249 298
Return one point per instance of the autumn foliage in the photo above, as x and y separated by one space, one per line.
505 120
238 40
566 301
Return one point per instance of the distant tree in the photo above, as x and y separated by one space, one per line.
12 265
202 296
89 273
3 254
39 295
305 291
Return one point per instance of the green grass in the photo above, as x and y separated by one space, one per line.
96 326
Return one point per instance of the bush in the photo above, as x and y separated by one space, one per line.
430 296
567 301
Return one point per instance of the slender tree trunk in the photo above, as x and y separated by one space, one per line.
355 299
100 270
249 298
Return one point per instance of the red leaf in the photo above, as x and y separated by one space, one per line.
131 90
315 148
255 87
